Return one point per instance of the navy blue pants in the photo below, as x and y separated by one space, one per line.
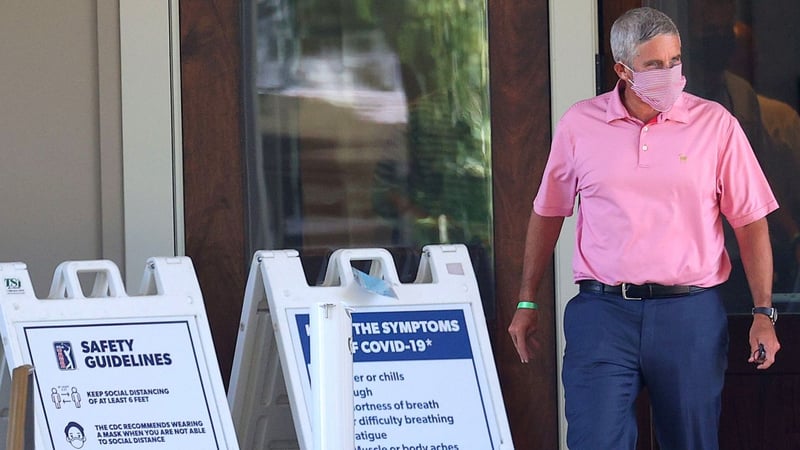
676 347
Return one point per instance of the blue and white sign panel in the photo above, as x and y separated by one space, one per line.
416 381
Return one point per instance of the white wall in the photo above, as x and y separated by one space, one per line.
89 134
59 130
573 45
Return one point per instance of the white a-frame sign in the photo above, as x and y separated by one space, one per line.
423 373
114 371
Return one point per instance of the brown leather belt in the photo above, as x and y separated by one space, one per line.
638 291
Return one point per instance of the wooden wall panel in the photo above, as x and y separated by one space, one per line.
211 73
520 96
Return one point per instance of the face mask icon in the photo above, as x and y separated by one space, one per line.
74 434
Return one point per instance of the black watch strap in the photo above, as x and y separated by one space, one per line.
772 313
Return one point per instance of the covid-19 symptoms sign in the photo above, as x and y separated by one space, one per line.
416 383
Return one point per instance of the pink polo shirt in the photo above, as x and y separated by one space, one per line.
651 195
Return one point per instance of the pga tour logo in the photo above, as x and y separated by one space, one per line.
64 356
13 285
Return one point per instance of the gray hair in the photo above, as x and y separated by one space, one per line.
636 27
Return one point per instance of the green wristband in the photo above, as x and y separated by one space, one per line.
527 305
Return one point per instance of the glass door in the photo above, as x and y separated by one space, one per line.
742 54
372 130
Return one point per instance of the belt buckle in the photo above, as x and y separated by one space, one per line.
625 293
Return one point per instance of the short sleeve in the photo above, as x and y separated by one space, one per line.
556 196
744 193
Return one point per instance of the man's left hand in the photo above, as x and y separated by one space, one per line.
763 332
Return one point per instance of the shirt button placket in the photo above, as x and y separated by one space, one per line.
643 147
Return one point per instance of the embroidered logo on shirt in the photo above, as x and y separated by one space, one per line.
682 157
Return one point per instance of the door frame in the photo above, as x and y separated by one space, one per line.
152 160
152 139
573 47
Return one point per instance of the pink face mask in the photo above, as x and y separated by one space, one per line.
659 88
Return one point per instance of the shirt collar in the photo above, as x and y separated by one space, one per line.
616 109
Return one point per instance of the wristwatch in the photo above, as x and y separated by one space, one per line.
772 313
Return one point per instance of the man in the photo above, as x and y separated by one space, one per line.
656 170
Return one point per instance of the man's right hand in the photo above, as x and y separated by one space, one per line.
523 330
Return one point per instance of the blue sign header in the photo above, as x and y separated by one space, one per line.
402 335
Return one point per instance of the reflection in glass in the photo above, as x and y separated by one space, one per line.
741 54
372 129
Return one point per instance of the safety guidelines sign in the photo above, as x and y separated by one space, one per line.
121 385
